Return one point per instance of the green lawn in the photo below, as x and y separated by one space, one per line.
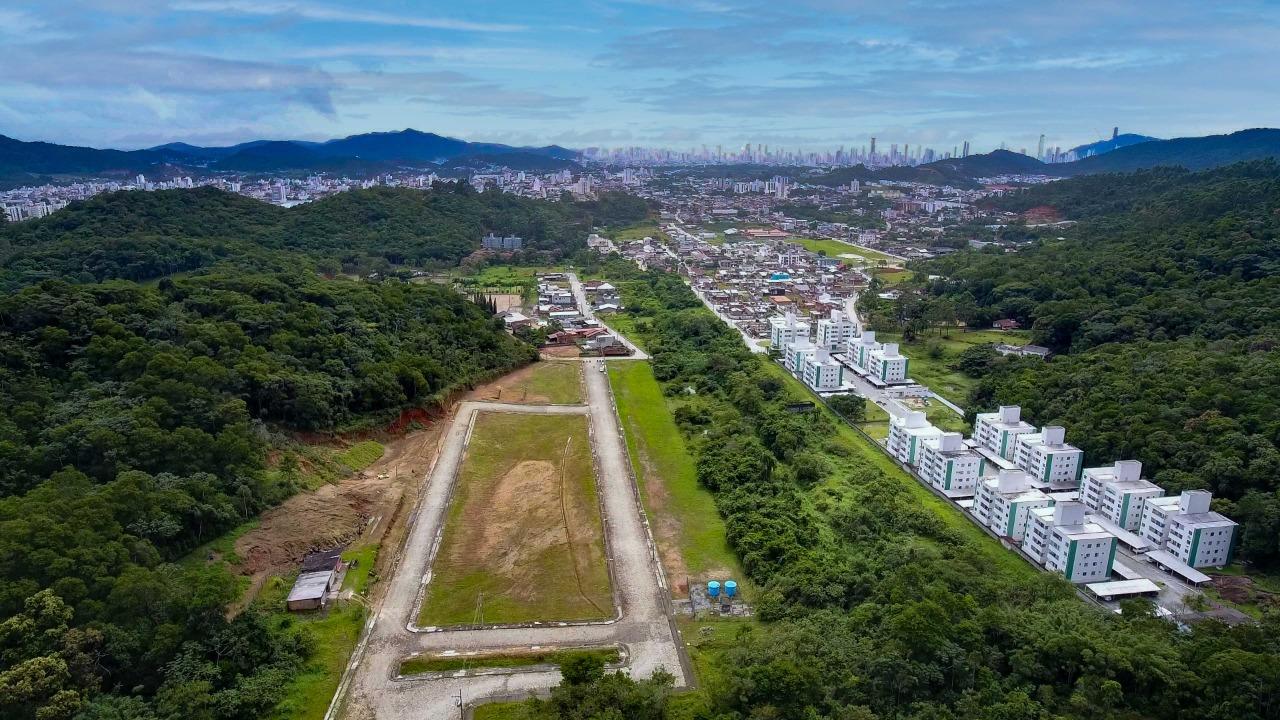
335 630
936 371
453 663
560 383
687 526
523 540
361 455
638 231
626 325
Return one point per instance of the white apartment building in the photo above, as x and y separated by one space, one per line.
1048 459
796 353
834 332
998 431
1004 503
1188 529
786 329
908 435
950 466
1059 539
886 363
1118 493
858 349
820 372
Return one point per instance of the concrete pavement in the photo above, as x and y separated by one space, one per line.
370 687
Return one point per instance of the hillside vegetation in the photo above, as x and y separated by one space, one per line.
1164 306
144 235
142 420
877 599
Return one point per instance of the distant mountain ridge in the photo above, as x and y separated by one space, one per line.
1102 147
365 153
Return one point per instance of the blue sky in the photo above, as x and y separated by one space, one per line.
673 73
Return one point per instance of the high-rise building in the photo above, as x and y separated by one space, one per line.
966 149
1040 149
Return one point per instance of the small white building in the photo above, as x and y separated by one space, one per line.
1004 503
786 329
1059 539
886 363
1118 493
834 332
951 466
820 372
907 436
1048 459
1188 529
999 430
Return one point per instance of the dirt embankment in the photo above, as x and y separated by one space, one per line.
370 506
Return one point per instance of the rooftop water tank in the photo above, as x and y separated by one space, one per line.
713 588
730 588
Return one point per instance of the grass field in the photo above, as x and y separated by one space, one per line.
638 231
543 383
335 631
523 539
688 528
361 455
936 371
453 663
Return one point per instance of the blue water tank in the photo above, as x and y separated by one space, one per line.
713 588
730 588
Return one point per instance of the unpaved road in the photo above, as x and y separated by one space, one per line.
370 688
584 307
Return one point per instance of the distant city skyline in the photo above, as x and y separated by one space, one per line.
811 76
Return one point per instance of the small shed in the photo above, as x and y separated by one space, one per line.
319 572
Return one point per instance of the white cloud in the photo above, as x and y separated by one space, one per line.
326 13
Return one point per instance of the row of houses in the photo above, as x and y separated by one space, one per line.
1031 487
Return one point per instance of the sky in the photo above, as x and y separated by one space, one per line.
808 74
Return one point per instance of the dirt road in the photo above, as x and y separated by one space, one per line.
370 688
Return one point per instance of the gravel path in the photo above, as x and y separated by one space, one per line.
370 688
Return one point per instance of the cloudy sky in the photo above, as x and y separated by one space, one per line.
673 73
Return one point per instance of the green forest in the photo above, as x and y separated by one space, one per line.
877 600
1163 306
144 235
153 346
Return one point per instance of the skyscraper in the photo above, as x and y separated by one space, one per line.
965 153
1040 150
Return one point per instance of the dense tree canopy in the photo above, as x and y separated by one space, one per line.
878 605
1163 303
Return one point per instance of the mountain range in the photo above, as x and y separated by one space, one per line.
371 153
1114 142
367 153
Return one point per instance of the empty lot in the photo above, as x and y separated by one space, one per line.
523 541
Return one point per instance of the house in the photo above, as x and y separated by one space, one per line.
1006 324
319 575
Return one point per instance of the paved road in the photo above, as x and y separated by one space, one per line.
370 689
584 307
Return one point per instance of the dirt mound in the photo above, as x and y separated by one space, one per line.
361 507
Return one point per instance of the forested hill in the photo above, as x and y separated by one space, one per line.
136 426
140 236
1164 304
142 420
